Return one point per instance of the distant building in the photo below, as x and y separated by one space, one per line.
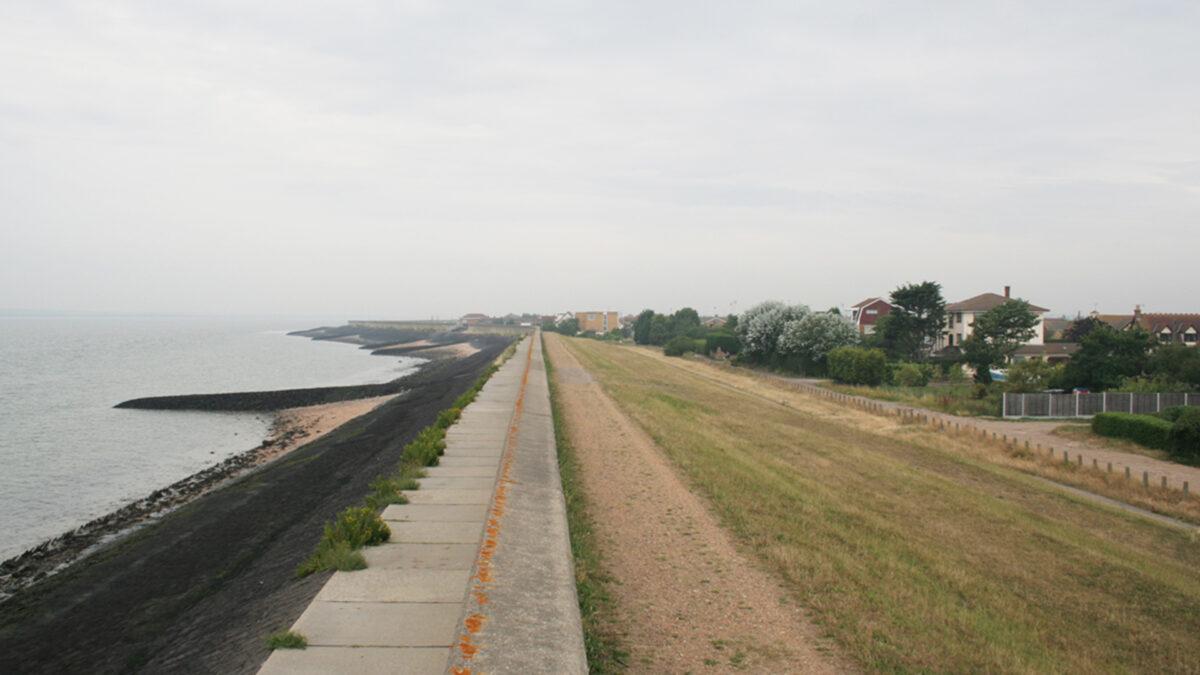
598 322
1167 328
475 319
713 321
868 312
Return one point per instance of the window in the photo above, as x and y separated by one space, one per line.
872 311
1190 336
591 317
1165 336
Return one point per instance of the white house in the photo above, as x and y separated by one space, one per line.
961 315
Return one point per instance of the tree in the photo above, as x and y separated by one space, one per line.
1080 328
686 322
1106 355
1178 363
815 335
759 327
568 326
918 313
641 327
996 335
1031 376
660 330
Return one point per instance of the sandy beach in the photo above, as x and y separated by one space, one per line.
294 427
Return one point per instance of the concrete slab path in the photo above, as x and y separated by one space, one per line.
477 576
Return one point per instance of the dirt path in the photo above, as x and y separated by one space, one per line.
687 600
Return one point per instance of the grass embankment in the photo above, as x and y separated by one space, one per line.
604 654
913 555
955 399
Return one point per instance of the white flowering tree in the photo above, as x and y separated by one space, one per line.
814 336
759 327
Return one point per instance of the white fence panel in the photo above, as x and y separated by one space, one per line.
1086 405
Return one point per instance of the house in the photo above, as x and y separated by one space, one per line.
1180 329
475 319
868 312
1167 328
713 321
598 322
961 315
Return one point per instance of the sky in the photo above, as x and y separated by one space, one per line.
429 159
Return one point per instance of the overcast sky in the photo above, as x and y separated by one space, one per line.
416 159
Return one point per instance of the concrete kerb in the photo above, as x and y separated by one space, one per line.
522 615
409 611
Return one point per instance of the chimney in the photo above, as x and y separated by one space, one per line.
1007 291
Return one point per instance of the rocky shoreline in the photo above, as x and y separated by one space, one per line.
52 555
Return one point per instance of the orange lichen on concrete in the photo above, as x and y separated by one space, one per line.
475 623
466 648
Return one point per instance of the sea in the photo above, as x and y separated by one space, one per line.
68 456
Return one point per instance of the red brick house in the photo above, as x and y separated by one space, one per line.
868 312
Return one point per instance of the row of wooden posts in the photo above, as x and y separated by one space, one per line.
911 416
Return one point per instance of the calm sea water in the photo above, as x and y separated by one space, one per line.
67 456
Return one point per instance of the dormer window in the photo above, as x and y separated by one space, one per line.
1189 336
1164 336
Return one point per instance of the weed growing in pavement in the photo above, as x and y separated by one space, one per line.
286 639
338 549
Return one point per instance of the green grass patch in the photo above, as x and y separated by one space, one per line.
602 645
913 553
286 640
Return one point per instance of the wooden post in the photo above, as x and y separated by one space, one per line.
1080 460
1185 487
1126 473
1095 465
1164 483
1110 467
1145 479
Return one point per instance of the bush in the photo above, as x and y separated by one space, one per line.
681 344
358 527
353 529
385 491
912 374
726 342
1146 430
1185 434
855 365
448 417
1173 413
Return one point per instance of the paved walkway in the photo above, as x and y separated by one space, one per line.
477 576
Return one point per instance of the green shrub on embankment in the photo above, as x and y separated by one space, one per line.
1185 434
354 528
1146 430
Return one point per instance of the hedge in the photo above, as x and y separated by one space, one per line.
1146 430
855 365
1185 433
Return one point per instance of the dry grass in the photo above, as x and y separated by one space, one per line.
918 550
